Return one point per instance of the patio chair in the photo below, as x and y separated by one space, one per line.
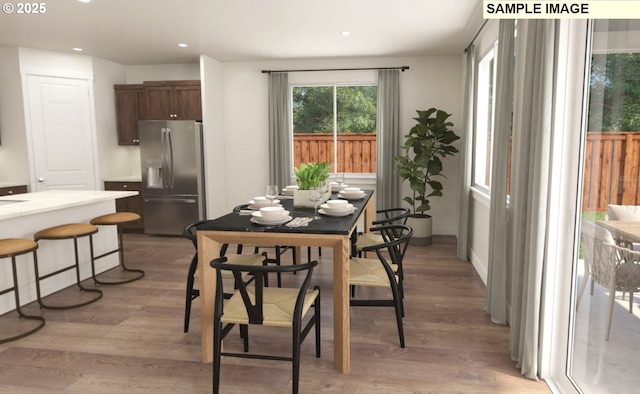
611 266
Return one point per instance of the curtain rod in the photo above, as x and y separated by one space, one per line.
338 69
476 36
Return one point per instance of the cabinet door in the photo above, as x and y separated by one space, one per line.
188 103
160 104
130 105
128 204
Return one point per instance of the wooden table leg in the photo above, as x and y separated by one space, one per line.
208 249
341 328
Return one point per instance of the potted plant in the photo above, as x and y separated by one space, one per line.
427 142
310 176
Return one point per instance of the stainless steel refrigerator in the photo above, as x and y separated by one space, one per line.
173 190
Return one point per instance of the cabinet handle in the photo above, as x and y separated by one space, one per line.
125 186
10 192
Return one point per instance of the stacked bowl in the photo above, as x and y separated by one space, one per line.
351 193
261 202
271 216
336 208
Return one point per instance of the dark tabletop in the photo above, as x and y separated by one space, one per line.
327 225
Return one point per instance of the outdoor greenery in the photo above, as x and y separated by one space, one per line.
310 175
614 100
313 109
427 141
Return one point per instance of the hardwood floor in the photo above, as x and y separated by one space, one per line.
132 341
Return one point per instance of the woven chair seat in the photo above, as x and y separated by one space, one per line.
115 218
278 305
369 272
368 239
15 246
66 231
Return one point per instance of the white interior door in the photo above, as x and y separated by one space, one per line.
61 133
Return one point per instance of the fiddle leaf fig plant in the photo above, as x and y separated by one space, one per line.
310 175
427 142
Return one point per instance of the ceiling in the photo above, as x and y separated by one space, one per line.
135 32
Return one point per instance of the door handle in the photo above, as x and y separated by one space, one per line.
41 179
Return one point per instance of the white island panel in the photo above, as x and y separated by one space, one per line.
40 210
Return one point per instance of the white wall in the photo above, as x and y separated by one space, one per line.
114 160
14 161
162 72
215 160
430 82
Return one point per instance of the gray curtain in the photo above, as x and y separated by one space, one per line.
530 187
280 137
498 269
466 140
388 182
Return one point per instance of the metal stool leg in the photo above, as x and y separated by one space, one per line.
120 251
22 315
76 265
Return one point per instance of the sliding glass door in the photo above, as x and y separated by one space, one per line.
604 346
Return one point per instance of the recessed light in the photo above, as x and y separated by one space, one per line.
345 33
85 1
181 45
78 49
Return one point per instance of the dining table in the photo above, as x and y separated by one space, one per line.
327 231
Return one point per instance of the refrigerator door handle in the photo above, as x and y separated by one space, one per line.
163 153
170 158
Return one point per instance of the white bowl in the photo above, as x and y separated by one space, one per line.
337 204
291 187
271 212
337 208
351 190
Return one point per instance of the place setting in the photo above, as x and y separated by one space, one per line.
351 193
337 208
271 216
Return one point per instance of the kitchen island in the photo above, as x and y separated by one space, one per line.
22 215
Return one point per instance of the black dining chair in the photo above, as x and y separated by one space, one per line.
241 259
384 271
255 304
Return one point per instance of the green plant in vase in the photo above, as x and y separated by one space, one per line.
311 175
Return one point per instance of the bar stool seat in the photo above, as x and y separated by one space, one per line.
62 232
12 247
115 219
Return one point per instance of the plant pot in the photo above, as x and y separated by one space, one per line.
302 198
422 227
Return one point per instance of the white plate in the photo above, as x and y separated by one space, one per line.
263 223
341 209
286 192
337 214
352 196
263 219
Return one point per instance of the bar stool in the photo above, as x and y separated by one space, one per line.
12 247
115 219
67 231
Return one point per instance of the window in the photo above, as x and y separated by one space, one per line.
336 124
483 136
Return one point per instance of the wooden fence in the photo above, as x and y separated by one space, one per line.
611 167
611 170
356 152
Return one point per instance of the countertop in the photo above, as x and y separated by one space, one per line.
50 200
131 178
